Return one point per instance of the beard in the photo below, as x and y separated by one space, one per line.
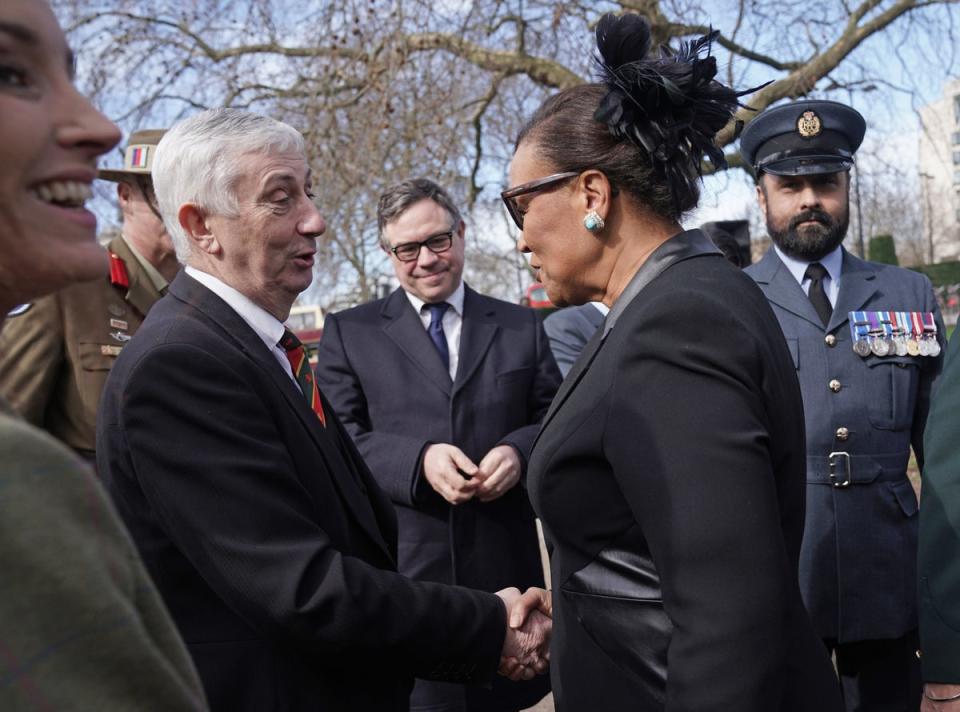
811 242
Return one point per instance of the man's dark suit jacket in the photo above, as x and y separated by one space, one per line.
271 544
669 475
387 383
569 329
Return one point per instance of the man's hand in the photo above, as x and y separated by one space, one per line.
526 648
943 692
533 599
443 465
498 472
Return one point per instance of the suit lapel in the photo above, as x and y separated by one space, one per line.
476 334
402 324
857 285
349 483
781 288
141 294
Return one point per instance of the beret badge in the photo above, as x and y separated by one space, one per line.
809 124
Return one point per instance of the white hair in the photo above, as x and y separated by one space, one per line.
197 161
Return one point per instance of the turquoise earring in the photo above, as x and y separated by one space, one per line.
593 222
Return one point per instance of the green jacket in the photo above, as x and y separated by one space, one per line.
81 625
939 547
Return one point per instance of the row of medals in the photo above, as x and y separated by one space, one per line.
897 344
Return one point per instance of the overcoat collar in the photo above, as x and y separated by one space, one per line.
352 490
857 286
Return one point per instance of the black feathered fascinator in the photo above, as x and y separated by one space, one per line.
670 105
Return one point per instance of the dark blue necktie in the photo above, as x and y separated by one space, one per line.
436 331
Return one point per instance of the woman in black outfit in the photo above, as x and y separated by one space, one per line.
669 472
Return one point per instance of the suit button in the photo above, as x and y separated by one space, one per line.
830 340
834 385
843 433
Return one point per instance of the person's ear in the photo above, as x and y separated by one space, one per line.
595 192
761 196
123 195
195 224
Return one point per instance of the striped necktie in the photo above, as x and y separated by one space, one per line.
297 356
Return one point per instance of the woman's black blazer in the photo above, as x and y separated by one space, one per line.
669 474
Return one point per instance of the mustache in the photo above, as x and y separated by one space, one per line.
813 214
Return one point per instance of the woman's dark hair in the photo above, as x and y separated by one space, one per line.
569 138
647 125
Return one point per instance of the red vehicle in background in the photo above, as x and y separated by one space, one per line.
307 323
537 298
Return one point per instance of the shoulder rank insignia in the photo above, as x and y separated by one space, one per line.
118 272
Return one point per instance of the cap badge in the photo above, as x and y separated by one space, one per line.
809 125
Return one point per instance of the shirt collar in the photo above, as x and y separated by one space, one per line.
833 263
265 324
455 300
601 307
158 281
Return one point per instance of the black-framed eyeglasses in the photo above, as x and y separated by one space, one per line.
410 251
511 194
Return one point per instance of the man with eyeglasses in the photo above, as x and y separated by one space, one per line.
443 390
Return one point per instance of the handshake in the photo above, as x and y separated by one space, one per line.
526 648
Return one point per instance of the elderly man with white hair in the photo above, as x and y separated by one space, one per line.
269 539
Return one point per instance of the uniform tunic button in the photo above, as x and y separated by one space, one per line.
834 385
843 433
830 340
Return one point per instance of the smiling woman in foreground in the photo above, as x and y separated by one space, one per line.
669 472
81 625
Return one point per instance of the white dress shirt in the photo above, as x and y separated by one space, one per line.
832 262
601 307
266 325
452 323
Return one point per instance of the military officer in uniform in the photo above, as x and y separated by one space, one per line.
55 355
866 385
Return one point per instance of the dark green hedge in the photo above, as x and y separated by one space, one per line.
941 274
881 249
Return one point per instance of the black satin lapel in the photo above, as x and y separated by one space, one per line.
476 335
857 286
682 246
405 329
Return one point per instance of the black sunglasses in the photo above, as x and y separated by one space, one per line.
410 251
511 194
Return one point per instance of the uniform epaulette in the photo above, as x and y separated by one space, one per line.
118 272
